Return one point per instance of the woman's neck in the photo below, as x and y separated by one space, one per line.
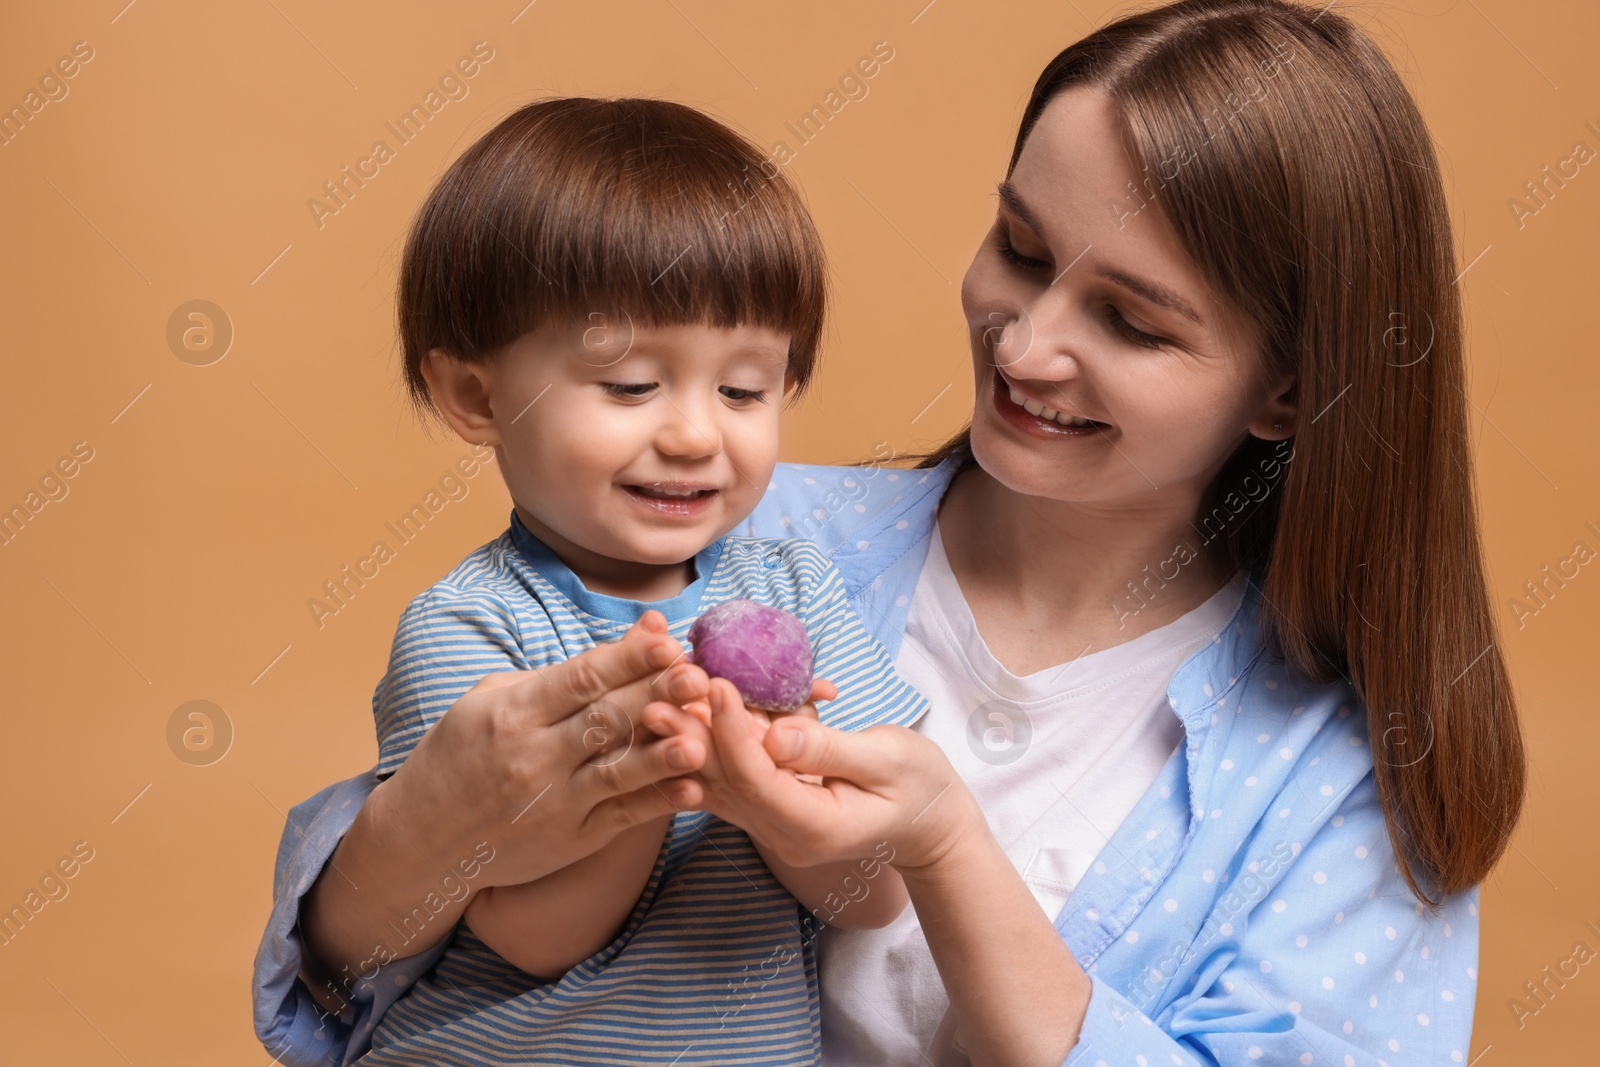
1048 581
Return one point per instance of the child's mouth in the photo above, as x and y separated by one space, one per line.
672 498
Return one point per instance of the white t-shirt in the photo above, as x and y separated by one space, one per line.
1056 760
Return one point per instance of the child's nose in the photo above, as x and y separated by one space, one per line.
688 434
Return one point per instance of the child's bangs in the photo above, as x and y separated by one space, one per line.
609 212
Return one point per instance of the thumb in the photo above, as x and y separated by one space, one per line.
808 747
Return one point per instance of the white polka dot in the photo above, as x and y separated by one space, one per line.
1226 929
1279 905
1208 876
901 601
1294 1006
1422 1020
1255 1052
1250 780
1286 753
1226 765
1348 1026
819 513
1140 1060
811 481
1361 852
1338 917
1150 835
1472 973
863 544
901 525
1099 866
1283 814
1170 904
1394 1046
1132 937
1447 995
861 507
1424 951
1388 931
1208 689
1327 983
1216 813
1337 820
1262 739
1355 741
1321 878
1349 1061
1093 914
1301 942
1399 976
894 477
1372 1001
1305 1058
1271 684
1360 957
1455 1054
1326 790
1266 966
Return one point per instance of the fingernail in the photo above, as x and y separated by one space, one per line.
789 744
677 757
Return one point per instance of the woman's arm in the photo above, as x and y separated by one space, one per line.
514 741
1286 967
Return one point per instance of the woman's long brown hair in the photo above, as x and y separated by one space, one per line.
1301 179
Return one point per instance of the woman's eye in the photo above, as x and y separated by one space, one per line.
732 393
1132 332
632 389
1012 256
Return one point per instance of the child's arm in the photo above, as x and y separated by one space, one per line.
548 926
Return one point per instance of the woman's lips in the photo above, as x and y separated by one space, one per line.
1035 425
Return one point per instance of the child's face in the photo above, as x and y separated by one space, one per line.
641 445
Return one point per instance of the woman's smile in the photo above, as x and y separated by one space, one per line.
1017 409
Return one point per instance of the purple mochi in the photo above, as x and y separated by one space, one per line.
763 651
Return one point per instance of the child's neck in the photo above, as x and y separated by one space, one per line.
621 578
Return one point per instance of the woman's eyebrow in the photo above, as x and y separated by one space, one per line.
1157 294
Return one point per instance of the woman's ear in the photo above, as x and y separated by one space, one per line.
460 391
1276 419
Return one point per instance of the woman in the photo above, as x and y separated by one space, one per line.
1221 740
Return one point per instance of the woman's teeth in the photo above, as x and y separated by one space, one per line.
1059 417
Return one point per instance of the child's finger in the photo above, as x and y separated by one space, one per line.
822 689
669 720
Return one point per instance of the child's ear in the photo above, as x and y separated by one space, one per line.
461 393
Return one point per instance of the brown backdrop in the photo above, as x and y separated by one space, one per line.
210 498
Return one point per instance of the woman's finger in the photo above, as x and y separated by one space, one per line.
556 692
630 809
639 766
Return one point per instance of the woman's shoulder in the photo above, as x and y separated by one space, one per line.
836 505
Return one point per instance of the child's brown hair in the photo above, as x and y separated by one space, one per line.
642 211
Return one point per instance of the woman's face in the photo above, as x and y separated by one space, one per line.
1107 371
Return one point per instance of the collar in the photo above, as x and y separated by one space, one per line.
547 567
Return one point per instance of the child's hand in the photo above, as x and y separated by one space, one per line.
688 686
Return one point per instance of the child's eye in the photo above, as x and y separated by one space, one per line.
757 395
629 389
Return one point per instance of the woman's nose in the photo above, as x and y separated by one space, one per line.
1038 340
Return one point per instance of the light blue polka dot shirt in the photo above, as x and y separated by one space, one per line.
1248 909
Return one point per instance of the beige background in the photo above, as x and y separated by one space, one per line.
180 563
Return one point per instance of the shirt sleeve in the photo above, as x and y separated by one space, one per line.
1364 976
447 640
295 1030
844 653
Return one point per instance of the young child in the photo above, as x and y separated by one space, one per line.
616 297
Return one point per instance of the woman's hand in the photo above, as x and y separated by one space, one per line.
886 783
541 767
